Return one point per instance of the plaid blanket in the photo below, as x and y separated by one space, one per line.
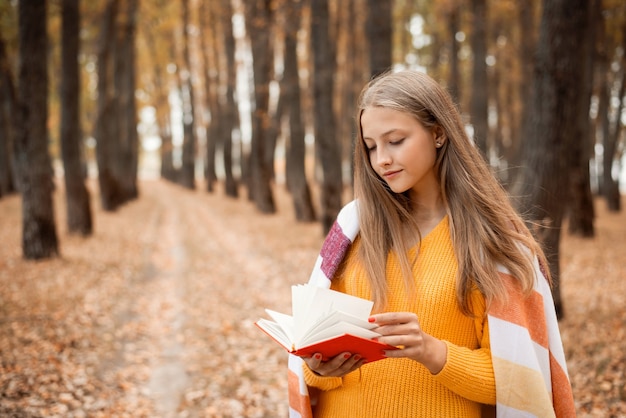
526 348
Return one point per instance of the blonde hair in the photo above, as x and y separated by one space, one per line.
485 228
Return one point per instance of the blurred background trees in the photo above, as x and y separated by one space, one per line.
246 96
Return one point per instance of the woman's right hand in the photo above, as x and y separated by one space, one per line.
338 366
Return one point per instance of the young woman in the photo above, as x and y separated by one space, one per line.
452 269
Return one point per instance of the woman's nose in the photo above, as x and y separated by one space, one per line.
383 157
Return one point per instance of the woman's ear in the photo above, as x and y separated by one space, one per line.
440 136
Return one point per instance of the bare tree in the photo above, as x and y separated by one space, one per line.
187 175
258 25
230 114
7 128
106 126
543 187
39 236
76 194
379 33
296 147
480 97
327 147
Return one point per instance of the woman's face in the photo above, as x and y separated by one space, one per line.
401 150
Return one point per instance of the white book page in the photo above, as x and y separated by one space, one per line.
273 329
310 303
336 331
285 322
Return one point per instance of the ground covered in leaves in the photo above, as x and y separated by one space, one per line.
153 315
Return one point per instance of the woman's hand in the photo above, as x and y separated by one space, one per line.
337 366
402 329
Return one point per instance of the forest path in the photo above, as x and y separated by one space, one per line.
153 316
208 270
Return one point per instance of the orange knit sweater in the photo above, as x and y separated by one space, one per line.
403 387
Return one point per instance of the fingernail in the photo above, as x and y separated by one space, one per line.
371 319
347 355
357 357
317 356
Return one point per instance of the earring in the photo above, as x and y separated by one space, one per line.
438 144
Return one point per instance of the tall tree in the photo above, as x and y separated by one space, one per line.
188 168
210 51
379 34
230 115
7 128
327 147
296 148
258 24
479 99
582 213
544 185
77 197
39 236
106 127
527 40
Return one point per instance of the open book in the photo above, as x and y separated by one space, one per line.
325 321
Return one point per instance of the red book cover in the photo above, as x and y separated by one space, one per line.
370 350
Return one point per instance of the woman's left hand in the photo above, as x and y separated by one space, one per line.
402 329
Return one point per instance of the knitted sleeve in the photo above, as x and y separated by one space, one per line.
469 372
320 382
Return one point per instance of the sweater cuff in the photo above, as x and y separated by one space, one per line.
320 382
469 373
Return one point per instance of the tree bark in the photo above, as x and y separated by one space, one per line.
106 128
79 218
328 151
7 127
379 33
230 115
39 236
188 168
480 97
209 40
582 212
296 148
258 18
544 185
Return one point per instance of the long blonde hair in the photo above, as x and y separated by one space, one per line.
485 228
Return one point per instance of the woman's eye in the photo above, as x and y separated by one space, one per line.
396 142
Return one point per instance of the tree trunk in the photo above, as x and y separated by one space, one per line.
296 147
7 128
187 175
230 115
125 158
480 97
582 213
544 184
328 151
39 236
258 18
454 76
527 44
379 34
77 197
610 141
106 128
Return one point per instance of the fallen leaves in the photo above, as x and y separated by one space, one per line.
153 315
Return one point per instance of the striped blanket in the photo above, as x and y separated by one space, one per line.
526 348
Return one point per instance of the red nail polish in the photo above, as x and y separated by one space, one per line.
346 356
371 319
318 356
